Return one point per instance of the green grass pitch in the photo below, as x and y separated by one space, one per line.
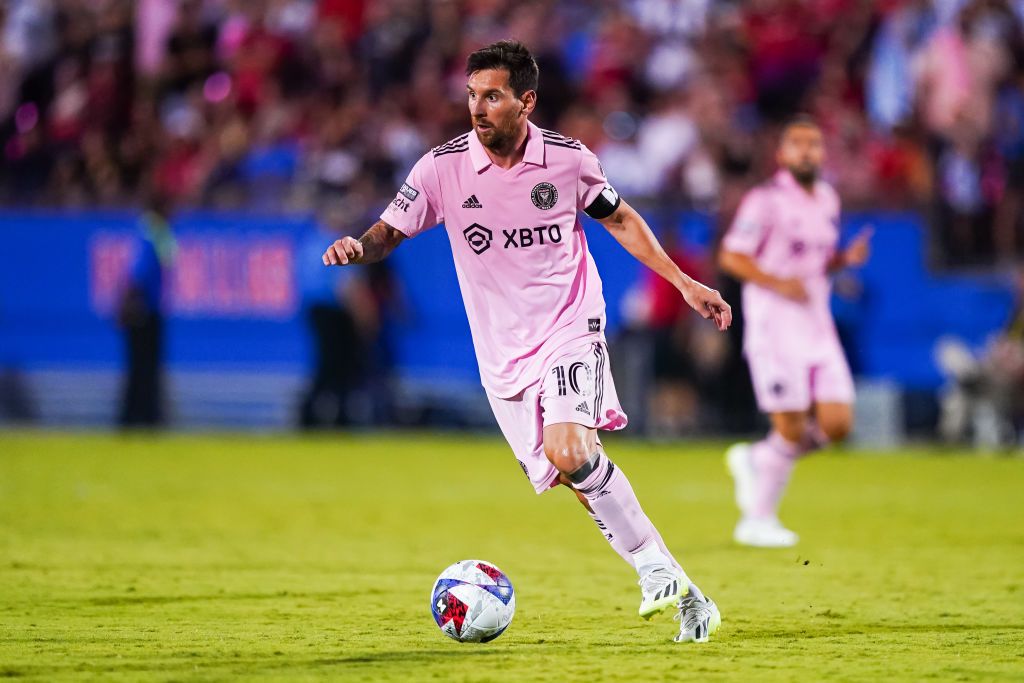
218 557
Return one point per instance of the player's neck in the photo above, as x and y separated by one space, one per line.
511 154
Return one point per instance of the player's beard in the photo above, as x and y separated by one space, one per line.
501 138
806 175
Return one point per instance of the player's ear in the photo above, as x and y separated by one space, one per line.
528 102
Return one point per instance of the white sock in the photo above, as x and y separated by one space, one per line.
651 558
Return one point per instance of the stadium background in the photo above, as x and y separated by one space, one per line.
271 127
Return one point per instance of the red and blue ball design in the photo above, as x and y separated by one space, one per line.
473 601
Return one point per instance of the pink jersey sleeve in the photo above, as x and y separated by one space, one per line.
417 206
750 226
594 194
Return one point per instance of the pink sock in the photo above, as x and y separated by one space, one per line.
623 553
612 540
773 459
612 499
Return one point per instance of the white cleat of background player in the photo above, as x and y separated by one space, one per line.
763 532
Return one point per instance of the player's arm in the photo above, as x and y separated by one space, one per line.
856 254
744 268
631 231
375 245
415 208
748 233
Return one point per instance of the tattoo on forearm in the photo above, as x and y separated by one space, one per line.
379 241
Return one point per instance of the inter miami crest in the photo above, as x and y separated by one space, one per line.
544 195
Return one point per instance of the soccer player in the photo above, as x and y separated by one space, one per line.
783 246
509 194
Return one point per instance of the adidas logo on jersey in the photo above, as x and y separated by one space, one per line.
583 408
472 203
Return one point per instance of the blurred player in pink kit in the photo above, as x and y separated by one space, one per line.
509 195
783 245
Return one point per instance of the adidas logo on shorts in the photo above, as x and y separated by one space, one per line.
472 203
582 408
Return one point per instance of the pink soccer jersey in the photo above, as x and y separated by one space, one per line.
790 233
528 281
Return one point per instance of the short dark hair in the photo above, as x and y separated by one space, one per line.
512 56
800 120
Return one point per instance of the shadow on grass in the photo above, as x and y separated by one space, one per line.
408 656
130 599
835 630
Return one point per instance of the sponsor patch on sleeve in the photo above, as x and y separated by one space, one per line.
409 192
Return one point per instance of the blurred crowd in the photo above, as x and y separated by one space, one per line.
325 104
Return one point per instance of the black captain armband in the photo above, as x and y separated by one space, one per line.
604 205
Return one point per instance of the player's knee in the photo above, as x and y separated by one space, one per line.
838 429
564 480
568 454
792 428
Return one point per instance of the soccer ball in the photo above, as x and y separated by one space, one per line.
472 601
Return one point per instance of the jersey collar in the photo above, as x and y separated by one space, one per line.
534 153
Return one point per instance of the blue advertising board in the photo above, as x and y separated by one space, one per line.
231 296
234 297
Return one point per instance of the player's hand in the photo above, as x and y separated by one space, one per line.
344 251
859 250
709 304
791 288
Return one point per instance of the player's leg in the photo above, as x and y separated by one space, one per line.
520 421
605 491
573 449
833 393
613 541
782 386
762 472
835 420
795 434
774 457
578 397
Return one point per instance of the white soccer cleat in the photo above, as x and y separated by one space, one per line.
739 460
698 618
764 533
661 588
